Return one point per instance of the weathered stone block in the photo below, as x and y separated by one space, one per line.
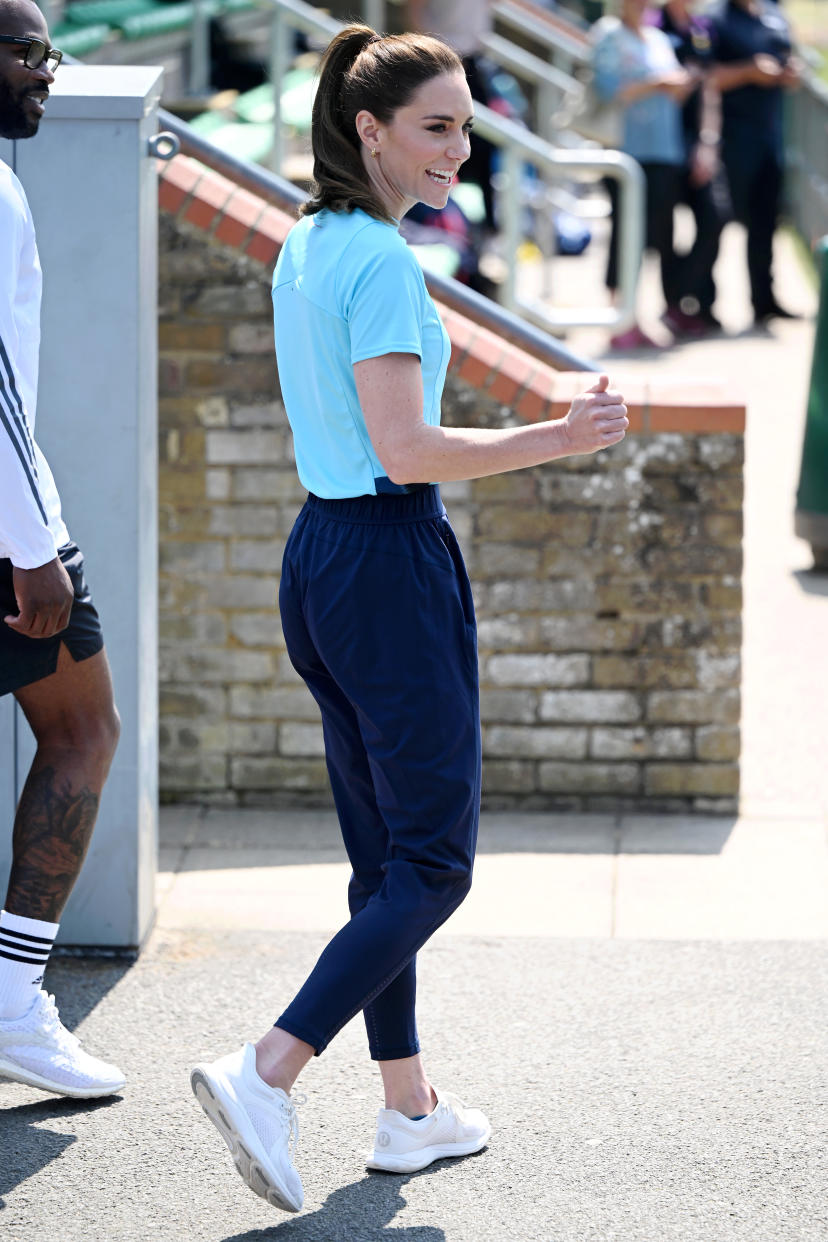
590 706
217 484
254 702
183 701
512 776
590 778
255 337
671 669
693 707
253 738
508 706
301 739
257 554
581 632
186 559
515 742
242 447
278 774
638 742
272 485
537 670
708 779
257 629
717 744
512 630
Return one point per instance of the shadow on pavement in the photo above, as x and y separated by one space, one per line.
812 581
364 1211
28 1147
80 983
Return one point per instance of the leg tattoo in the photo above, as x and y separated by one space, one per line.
52 830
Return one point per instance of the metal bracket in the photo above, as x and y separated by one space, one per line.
163 146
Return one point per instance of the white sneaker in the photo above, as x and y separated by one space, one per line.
257 1122
38 1050
403 1146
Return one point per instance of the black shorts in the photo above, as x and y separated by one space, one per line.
24 660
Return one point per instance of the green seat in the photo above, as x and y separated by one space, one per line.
163 19
437 257
239 6
298 89
469 198
208 123
106 12
80 40
244 140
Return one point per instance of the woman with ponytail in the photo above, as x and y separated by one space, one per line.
375 602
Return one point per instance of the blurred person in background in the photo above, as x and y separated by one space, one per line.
754 68
704 188
635 68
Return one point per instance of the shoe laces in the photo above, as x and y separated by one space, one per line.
53 1026
291 1120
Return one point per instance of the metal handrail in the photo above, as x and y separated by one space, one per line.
565 52
286 196
518 145
559 94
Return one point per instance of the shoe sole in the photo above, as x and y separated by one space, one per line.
233 1127
28 1078
427 1155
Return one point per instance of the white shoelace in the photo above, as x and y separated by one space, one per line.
291 1120
53 1026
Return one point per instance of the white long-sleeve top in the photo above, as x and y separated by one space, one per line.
31 527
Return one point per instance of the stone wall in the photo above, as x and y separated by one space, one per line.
608 588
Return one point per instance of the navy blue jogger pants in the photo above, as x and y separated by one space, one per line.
378 620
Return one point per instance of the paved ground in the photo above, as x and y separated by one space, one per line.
639 1002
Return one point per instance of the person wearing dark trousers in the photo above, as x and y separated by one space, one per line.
376 605
704 188
636 71
52 657
754 68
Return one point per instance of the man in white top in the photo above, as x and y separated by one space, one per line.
51 648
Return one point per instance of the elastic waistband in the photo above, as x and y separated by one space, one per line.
382 510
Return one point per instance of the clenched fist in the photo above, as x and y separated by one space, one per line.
597 418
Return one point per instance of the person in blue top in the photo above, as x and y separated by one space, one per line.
375 602
635 68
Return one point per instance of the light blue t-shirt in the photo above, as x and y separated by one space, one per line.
652 127
347 288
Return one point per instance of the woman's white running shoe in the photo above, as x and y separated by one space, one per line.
257 1122
37 1049
403 1146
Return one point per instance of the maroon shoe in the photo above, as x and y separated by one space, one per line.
633 338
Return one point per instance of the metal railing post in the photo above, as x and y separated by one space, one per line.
200 50
374 11
510 221
278 64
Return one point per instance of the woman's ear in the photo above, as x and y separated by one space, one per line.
368 129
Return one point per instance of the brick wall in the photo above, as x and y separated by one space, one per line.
608 588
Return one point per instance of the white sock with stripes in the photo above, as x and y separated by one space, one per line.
25 945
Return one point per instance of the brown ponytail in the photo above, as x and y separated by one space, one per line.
362 70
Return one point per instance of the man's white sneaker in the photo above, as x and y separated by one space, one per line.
257 1122
403 1146
37 1049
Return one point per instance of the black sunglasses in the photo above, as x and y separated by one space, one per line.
36 52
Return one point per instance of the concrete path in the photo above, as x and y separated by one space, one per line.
639 1002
